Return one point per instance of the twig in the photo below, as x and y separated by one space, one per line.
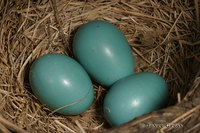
19 76
190 43
79 125
11 125
197 12
179 97
61 32
192 128
182 116
25 17
65 106
4 129
171 28
192 89
196 57
65 127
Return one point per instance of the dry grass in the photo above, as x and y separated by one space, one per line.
164 36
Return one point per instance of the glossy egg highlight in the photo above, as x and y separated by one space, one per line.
58 81
134 96
103 51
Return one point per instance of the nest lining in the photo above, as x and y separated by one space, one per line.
163 36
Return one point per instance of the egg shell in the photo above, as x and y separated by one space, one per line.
58 80
134 96
103 51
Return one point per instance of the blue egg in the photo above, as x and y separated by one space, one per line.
59 82
134 96
103 51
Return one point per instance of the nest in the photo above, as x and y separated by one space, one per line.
164 36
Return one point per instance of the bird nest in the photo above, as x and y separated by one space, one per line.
163 34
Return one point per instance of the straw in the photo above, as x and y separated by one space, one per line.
163 35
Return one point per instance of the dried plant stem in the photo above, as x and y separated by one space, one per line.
11 126
197 12
164 38
65 127
79 125
4 129
181 117
171 28
64 39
